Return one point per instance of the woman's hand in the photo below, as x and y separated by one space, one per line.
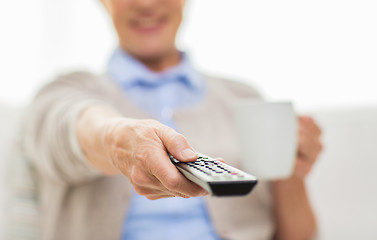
309 146
138 149
294 215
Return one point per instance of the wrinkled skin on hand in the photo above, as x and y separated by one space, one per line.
139 149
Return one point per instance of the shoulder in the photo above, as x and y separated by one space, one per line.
236 88
80 80
75 78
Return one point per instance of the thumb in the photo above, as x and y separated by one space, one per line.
177 145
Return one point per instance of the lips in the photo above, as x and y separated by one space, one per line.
148 24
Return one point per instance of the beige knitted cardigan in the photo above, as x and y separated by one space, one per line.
77 202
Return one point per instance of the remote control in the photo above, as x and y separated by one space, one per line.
217 178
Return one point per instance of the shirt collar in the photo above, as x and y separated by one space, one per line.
128 72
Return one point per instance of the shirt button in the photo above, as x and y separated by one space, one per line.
166 113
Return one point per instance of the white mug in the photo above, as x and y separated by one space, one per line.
267 133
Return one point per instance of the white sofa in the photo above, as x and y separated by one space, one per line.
9 122
342 185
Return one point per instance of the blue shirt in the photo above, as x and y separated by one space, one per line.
159 94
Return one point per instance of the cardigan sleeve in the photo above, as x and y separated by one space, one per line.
49 139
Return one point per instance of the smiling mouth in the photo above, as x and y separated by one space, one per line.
147 25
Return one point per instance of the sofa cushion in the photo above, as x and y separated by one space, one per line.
9 127
343 182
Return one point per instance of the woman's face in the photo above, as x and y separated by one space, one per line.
146 28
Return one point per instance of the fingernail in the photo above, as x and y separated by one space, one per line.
204 193
188 153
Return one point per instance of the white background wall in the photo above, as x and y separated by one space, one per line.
316 53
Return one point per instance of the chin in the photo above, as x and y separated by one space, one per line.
150 53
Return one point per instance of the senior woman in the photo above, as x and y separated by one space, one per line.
99 145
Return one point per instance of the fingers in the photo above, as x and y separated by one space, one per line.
154 193
158 196
142 156
174 181
162 179
309 145
177 145
155 171
308 125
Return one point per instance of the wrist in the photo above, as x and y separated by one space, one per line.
293 212
288 184
91 131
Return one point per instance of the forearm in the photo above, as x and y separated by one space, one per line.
90 134
294 216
